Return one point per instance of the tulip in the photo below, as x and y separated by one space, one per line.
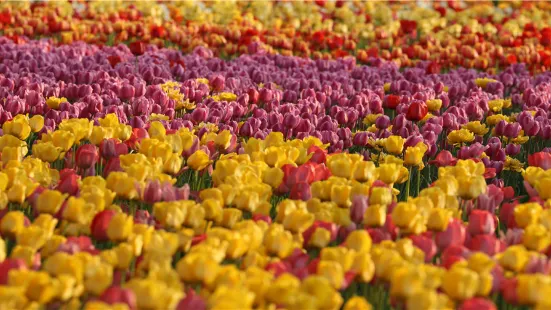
392 101
454 234
86 156
477 303
358 208
114 295
100 223
540 159
416 111
137 48
485 243
481 222
427 245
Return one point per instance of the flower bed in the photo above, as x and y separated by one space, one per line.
138 177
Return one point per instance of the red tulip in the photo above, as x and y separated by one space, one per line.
116 294
260 217
331 227
433 68
488 244
477 304
506 214
86 156
110 148
392 101
192 301
417 110
408 26
32 198
509 290
481 222
77 244
313 265
443 159
319 155
378 235
278 268
301 191
298 259
426 244
448 261
540 159
8 265
453 235
545 39
114 164
68 182
137 135
320 2
198 239
114 60
137 48
349 277
98 227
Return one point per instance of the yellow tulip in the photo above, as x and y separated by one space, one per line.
12 223
404 214
514 258
31 236
460 283
340 165
340 194
439 219
434 104
406 281
10 153
46 151
344 256
359 240
380 196
197 268
480 262
536 237
63 139
460 136
332 271
223 139
414 155
375 216
230 217
476 127
120 227
173 164
37 123
357 303
320 238
527 214
389 173
50 201
471 187
198 160
394 144
18 127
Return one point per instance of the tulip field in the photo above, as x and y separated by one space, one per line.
228 155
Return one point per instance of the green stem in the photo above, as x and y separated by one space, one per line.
418 180
408 183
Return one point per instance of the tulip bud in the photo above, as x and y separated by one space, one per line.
137 48
98 227
217 82
118 295
358 208
86 156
